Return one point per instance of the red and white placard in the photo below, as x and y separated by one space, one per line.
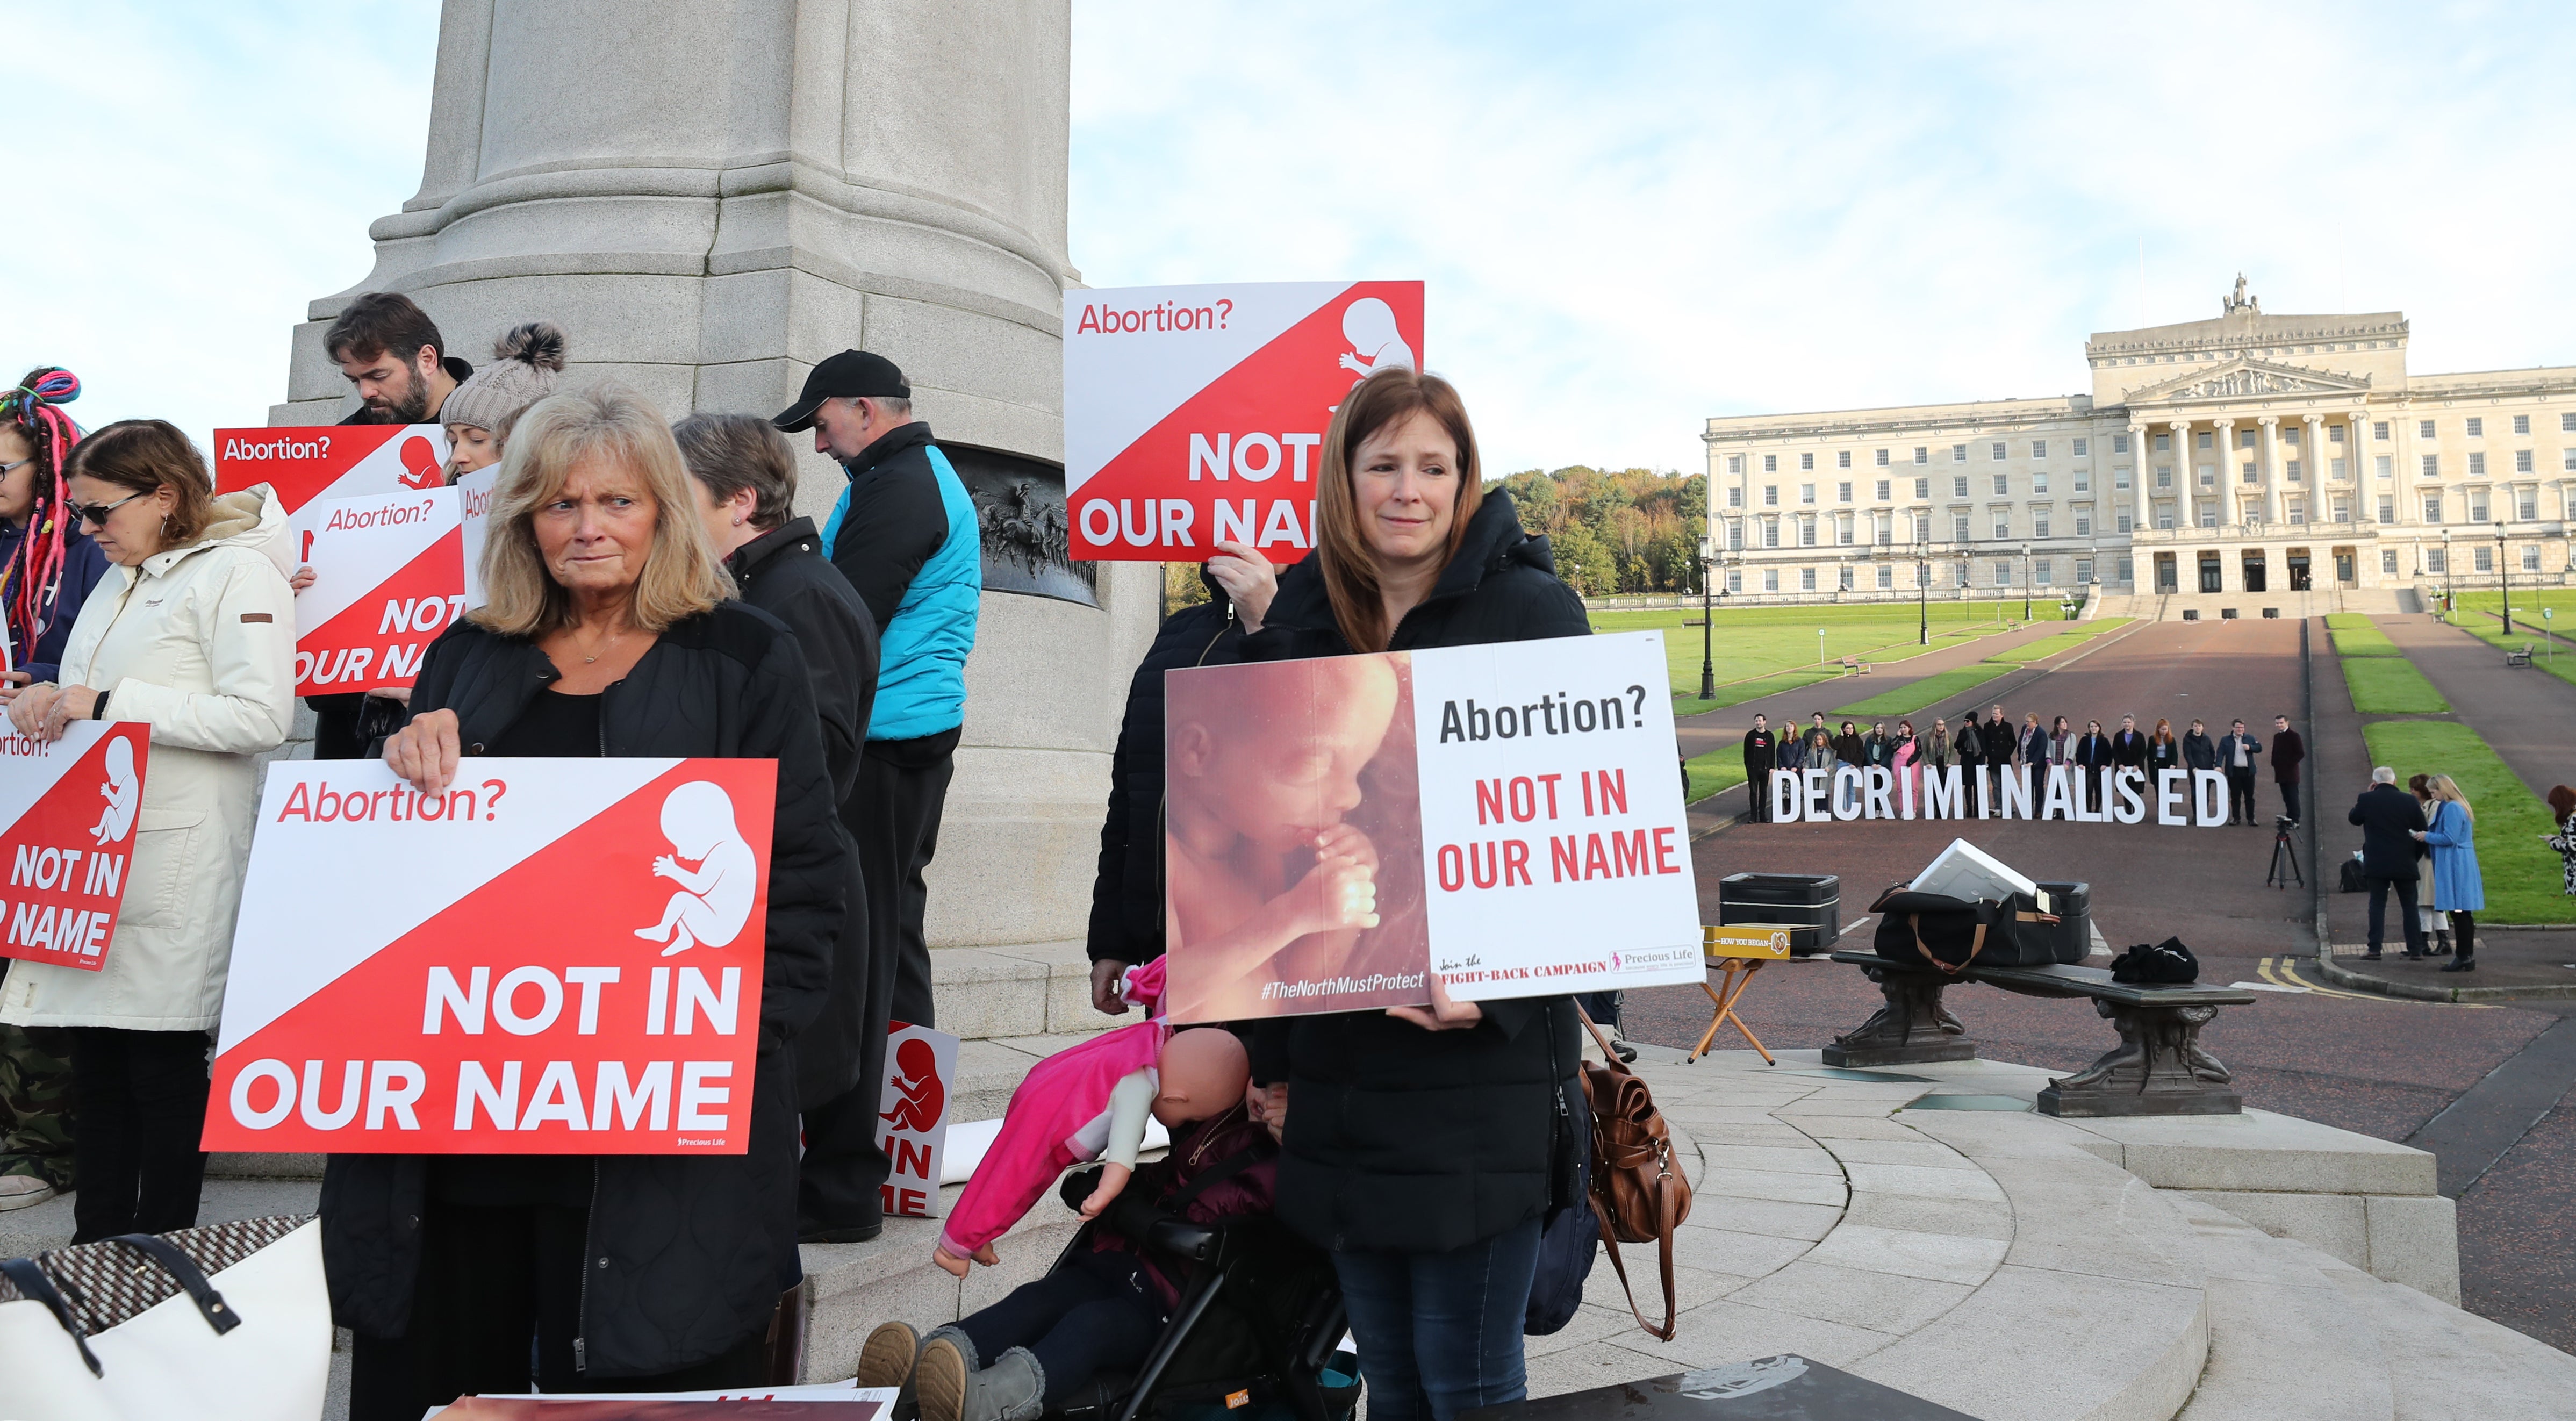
309 465
912 1116
70 808
1196 414
553 957
388 577
474 495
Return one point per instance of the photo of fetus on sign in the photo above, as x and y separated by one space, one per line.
715 898
1293 839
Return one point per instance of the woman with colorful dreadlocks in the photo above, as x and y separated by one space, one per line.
46 568
47 565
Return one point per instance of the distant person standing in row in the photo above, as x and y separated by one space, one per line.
2458 888
2237 753
2199 752
1970 742
906 536
2288 752
2163 751
2129 748
396 360
2093 752
2061 743
1761 748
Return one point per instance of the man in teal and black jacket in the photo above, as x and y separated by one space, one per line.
905 534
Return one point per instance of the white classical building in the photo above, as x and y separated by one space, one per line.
2249 455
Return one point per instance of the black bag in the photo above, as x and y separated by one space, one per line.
1949 934
1570 1239
2351 880
2167 964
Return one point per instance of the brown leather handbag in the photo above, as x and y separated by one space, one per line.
1638 1191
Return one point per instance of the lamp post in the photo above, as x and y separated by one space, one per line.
2450 575
1923 592
2504 583
2025 582
1707 631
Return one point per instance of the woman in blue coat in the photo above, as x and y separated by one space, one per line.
2457 887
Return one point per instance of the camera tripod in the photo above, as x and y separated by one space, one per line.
2285 857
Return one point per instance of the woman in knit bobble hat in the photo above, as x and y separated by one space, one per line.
527 365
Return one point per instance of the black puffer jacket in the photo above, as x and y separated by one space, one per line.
1401 1139
687 1254
1127 896
783 573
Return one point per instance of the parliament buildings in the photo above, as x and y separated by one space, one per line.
2248 455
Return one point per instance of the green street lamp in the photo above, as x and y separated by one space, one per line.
1707 624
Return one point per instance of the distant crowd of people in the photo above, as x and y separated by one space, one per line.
1992 746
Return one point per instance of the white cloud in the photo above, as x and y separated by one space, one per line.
1631 217
201 173
1702 214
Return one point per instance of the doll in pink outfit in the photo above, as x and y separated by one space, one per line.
1090 1102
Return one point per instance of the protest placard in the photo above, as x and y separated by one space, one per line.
912 1116
2178 798
1196 414
304 466
474 508
564 958
70 807
1507 817
389 576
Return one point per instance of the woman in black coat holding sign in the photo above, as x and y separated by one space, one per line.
611 630
1418 1142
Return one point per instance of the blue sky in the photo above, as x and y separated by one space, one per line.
1630 217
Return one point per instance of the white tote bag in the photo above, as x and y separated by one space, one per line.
228 1322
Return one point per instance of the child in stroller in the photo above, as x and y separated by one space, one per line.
1106 1303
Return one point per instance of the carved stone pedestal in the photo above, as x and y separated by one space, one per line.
1910 1030
2157 1069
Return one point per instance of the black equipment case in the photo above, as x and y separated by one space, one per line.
1810 905
2073 904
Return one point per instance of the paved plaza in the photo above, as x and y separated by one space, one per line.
2381 1067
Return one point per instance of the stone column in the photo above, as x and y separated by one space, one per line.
2314 467
2268 467
2140 441
2185 515
2222 441
710 198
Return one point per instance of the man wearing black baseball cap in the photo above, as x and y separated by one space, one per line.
905 534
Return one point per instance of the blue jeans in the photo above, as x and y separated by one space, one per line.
1094 1314
1440 1333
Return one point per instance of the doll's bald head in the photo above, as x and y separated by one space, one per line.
1204 1073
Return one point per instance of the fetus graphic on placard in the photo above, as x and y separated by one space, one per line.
714 900
1369 325
123 792
915 1078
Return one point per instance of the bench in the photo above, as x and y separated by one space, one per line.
2158 1068
1853 666
2519 658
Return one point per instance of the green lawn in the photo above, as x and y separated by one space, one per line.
1722 768
1739 692
2521 873
2362 641
2384 685
2557 659
2527 602
1765 641
1939 686
2061 643
2348 621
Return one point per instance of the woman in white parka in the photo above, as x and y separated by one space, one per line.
193 634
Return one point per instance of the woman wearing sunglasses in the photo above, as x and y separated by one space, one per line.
193 635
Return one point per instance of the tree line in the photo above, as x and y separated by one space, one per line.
1612 530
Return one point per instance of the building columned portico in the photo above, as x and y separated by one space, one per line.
2249 453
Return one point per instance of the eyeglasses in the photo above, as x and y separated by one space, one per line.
97 512
7 469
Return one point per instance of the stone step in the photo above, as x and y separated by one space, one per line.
2272 1299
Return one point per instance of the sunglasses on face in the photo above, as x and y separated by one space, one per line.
96 513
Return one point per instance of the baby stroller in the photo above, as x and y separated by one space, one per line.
1254 1336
